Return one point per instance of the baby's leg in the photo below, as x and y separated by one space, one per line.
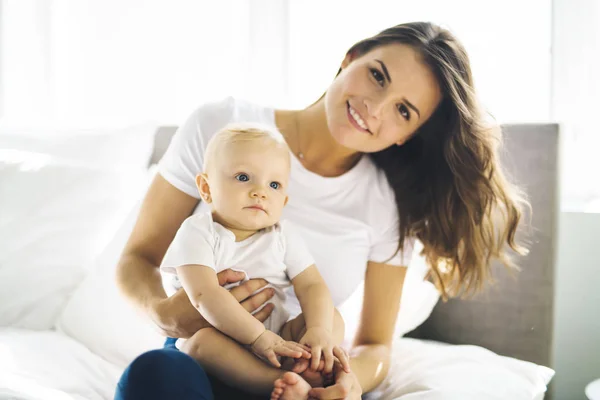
296 328
230 362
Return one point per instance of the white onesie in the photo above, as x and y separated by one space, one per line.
275 253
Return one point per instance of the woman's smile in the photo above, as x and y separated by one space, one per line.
356 120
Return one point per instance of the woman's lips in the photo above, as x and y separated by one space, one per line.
356 120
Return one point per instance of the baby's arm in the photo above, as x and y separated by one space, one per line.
315 299
318 312
223 312
217 305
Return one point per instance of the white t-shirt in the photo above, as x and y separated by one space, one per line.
345 221
276 254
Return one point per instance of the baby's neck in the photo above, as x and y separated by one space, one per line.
240 234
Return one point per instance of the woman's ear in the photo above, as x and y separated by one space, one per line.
203 187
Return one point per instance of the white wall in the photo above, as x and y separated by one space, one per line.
577 305
94 62
575 102
576 99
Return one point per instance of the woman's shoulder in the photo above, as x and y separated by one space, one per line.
212 113
377 181
212 116
381 195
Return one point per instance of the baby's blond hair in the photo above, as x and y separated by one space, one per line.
240 133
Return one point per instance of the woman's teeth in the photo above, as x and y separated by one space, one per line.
357 118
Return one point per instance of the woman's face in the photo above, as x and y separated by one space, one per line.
380 98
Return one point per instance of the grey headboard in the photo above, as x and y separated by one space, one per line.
514 317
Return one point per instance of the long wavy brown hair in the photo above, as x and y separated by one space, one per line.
450 189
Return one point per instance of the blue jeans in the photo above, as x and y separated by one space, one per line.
167 373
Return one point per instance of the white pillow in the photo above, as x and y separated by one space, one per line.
97 314
55 217
116 147
424 370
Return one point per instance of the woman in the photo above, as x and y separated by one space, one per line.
396 149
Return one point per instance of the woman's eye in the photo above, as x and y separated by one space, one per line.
242 177
378 76
403 110
275 185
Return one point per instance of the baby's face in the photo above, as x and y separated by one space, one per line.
248 184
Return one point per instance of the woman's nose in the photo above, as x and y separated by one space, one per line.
373 107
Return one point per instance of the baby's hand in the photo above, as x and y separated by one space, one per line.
320 341
269 345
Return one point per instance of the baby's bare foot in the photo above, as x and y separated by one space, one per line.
290 386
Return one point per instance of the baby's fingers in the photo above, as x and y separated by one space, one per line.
270 355
329 359
315 355
288 351
342 358
304 350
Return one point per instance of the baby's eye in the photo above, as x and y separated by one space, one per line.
242 177
275 185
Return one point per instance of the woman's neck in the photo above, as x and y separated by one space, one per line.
308 136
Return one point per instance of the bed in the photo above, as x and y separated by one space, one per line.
67 204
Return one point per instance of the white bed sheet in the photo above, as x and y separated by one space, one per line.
46 365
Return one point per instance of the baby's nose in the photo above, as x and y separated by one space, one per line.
258 192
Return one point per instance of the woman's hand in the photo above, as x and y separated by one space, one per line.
346 387
176 317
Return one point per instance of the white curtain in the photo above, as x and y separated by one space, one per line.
102 60
99 62
509 44
112 61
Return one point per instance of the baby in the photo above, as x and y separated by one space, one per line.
245 178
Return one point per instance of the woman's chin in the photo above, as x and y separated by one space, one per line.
348 137
354 141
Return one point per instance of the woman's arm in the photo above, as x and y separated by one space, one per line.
163 210
370 355
373 341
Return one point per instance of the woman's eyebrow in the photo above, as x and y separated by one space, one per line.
408 103
385 70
